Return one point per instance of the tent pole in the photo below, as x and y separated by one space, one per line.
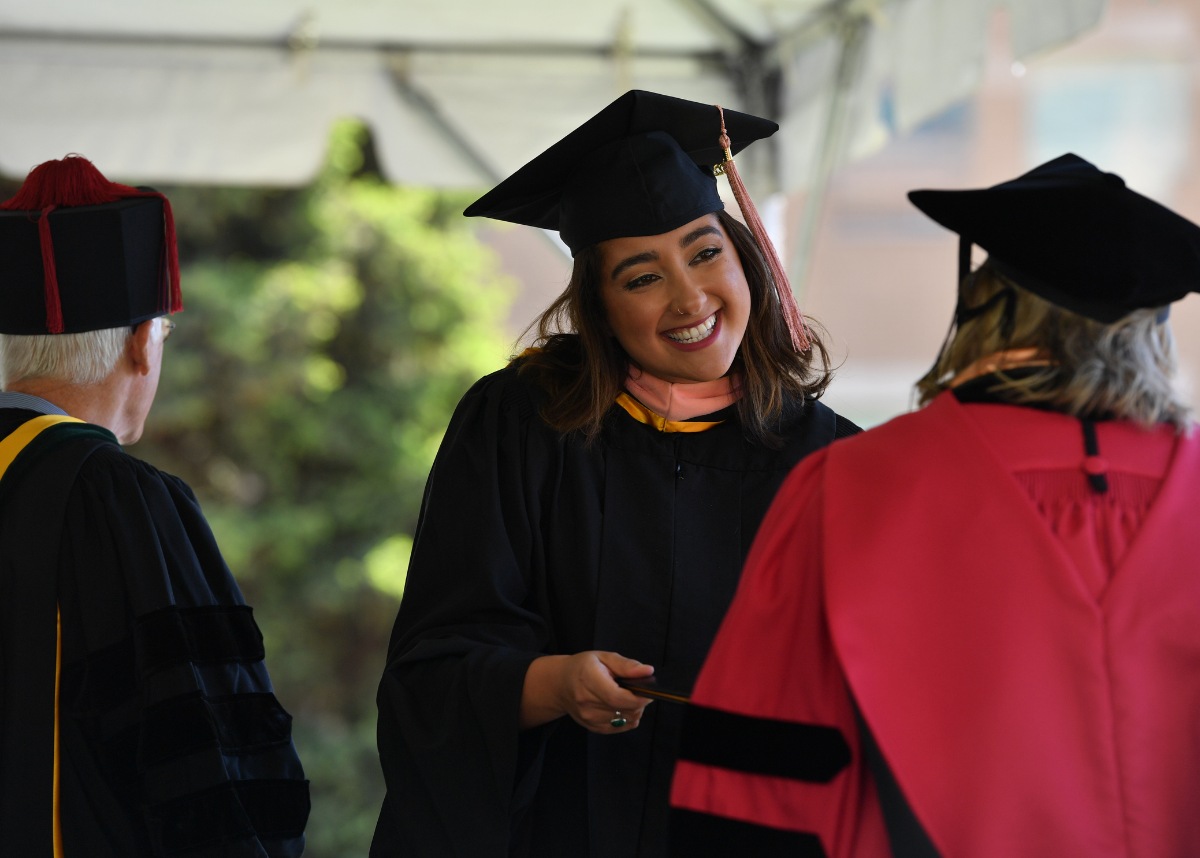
426 107
852 33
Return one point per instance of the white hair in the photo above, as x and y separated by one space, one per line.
85 358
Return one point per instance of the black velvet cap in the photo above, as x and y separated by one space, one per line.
1077 237
80 253
641 166
107 259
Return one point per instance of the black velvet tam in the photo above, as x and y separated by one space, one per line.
109 261
1077 237
641 166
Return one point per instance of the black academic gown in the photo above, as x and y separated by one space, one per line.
531 543
171 740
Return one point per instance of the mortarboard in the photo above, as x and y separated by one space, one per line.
80 253
641 166
1075 236
644 165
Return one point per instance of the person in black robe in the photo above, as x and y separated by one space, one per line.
137 717
591 505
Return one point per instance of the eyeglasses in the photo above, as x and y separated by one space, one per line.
168 325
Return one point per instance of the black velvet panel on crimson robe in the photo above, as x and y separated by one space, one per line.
172 741
533 543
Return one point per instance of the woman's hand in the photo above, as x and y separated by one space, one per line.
583 686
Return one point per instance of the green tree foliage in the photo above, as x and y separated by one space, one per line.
327 334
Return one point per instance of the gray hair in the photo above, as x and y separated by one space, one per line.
1124 370
85 358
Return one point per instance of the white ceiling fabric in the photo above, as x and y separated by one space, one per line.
461 92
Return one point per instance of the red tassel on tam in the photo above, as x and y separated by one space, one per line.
72 181
787 300
174 300
75 181
54 318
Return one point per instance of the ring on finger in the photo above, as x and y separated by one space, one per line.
618 721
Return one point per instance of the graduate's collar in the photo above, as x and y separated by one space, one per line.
1002 361
984 380
28 402
670 406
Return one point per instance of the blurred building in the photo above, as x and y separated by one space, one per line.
881 276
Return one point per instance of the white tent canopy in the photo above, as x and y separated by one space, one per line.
460 92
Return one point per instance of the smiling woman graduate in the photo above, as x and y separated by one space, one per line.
588 514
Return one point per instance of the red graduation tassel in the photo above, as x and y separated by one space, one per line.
174 300
54 317
71 181
791 313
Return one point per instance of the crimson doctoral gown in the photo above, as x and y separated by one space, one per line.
1029 671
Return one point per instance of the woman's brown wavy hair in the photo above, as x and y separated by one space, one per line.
582 367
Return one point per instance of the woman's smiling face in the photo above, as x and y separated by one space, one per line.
678 302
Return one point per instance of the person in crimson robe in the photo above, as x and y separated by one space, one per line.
975 629
137 717
592 503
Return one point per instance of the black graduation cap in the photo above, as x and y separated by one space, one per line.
641 166
80 253
1075 236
